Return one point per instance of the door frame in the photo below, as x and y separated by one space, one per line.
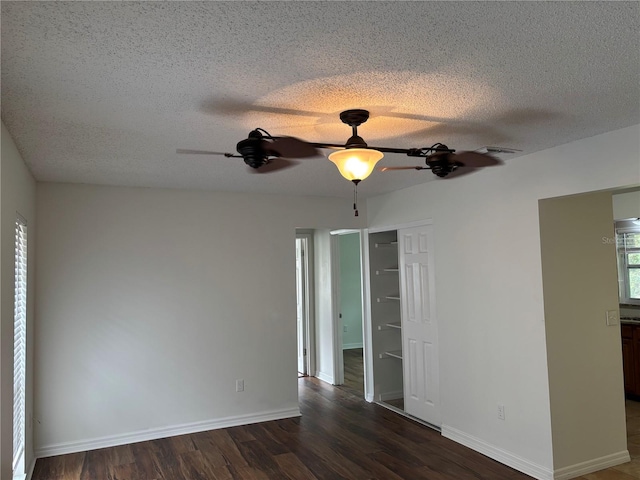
367 333
309 302
367 337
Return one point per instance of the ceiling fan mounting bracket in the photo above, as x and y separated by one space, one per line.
354 118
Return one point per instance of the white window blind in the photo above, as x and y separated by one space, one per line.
628 240
19 346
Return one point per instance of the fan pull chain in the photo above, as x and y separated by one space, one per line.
355 196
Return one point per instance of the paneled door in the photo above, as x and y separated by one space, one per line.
419 326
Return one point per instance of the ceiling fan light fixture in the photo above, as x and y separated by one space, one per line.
356 164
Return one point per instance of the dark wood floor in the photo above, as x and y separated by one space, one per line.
354 376
354 370
339 436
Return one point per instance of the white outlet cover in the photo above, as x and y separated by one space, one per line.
612 317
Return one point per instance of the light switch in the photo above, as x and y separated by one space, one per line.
612 317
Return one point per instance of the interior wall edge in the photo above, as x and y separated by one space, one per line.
594 465
18 197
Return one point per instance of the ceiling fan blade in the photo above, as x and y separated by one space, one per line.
386 169
274 165
292 147
203 152
236 106
476 160
459 172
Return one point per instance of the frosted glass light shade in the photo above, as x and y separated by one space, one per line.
356 163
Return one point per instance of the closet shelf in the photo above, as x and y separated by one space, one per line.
389 326
392 354
388 298
386 244
387 270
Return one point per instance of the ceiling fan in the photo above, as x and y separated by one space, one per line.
444 163
355 159
265 153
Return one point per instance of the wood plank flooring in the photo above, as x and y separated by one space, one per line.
354 375
354 370
339 436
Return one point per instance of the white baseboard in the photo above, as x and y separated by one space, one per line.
503 456
350 346
325 377
590 466
155 433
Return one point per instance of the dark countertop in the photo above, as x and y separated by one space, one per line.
630 320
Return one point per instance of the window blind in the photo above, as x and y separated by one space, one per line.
628 244
19 345
629 240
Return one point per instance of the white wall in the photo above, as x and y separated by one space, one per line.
626 205
17 195
489 287
325 334
151 303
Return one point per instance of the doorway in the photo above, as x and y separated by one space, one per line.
349 309
626 210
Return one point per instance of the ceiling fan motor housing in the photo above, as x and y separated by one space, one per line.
252 151
440 163
355 141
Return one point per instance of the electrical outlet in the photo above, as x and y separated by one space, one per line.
239 385
612 317
344 329
501 411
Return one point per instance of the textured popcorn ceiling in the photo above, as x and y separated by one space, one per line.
104 92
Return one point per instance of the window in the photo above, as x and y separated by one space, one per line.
628 245
19 347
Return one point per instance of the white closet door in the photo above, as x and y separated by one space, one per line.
419 326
